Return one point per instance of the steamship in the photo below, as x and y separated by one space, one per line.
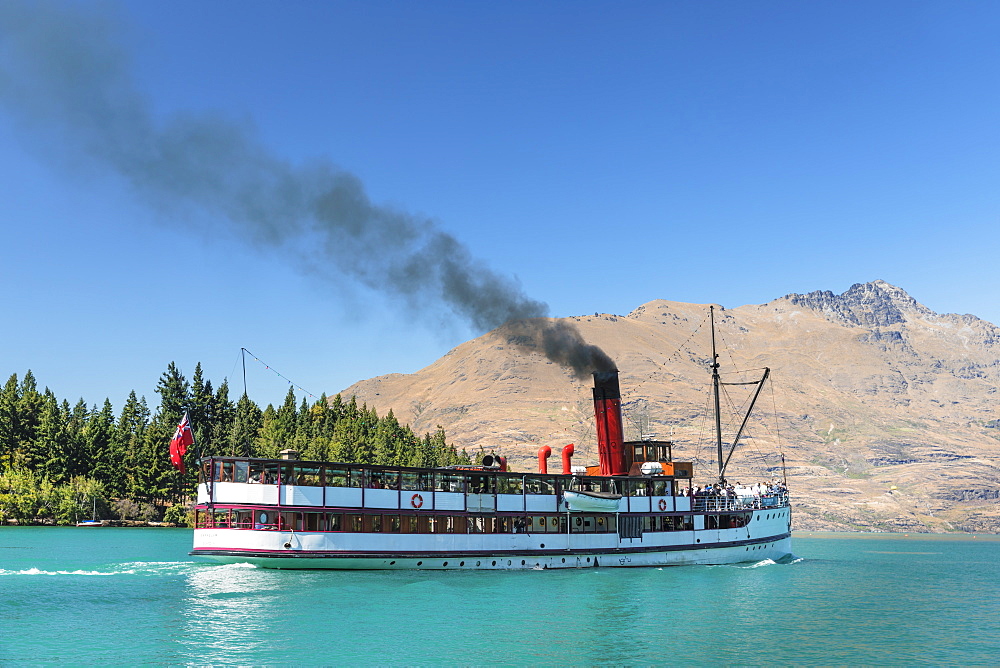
633 509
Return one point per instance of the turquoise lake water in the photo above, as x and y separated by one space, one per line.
133 596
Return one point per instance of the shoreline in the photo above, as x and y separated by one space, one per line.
907 535
105 524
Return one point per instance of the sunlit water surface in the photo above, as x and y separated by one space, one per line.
133 596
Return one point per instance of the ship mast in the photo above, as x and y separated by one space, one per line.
715 391
716 383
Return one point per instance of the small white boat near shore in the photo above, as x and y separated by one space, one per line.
93 521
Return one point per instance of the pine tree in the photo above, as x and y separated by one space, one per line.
426 455
155 480
223 414
347 434
386 440
74 448
98 434
314 420
175 395
247 424
9 421
29 411
44 456
126 445
175 401
303 429
200 409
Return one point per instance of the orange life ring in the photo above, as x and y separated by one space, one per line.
663 505
416 500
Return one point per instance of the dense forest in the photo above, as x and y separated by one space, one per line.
61 463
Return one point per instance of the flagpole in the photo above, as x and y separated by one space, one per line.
194 441
243 354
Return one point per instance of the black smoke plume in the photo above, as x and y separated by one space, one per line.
65 79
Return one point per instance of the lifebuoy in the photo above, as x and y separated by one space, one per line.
663 505
416 500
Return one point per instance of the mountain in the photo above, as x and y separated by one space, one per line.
884 410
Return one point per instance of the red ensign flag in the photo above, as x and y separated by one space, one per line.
183 437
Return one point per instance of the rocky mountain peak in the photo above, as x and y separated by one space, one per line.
871 305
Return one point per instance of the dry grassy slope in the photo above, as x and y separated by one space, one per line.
871 391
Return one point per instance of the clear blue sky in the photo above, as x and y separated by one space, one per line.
601 154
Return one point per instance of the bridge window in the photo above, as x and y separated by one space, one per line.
450 482
264 473
509 485
638 487
223 471
482 484
383 479
539 485
341 477
417 482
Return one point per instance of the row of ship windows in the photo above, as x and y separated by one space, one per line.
270 473
386 523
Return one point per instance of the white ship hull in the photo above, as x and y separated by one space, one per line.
766 535
776 549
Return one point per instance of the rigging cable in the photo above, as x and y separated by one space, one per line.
275 372
638 387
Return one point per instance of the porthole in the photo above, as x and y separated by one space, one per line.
542 545
461 563
508 562
445 563
564 560
420 563
392 563
523 562
477 563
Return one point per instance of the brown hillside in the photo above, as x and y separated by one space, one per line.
883 409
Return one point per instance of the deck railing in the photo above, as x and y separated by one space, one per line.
722 503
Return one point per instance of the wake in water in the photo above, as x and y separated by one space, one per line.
783 561
140 568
